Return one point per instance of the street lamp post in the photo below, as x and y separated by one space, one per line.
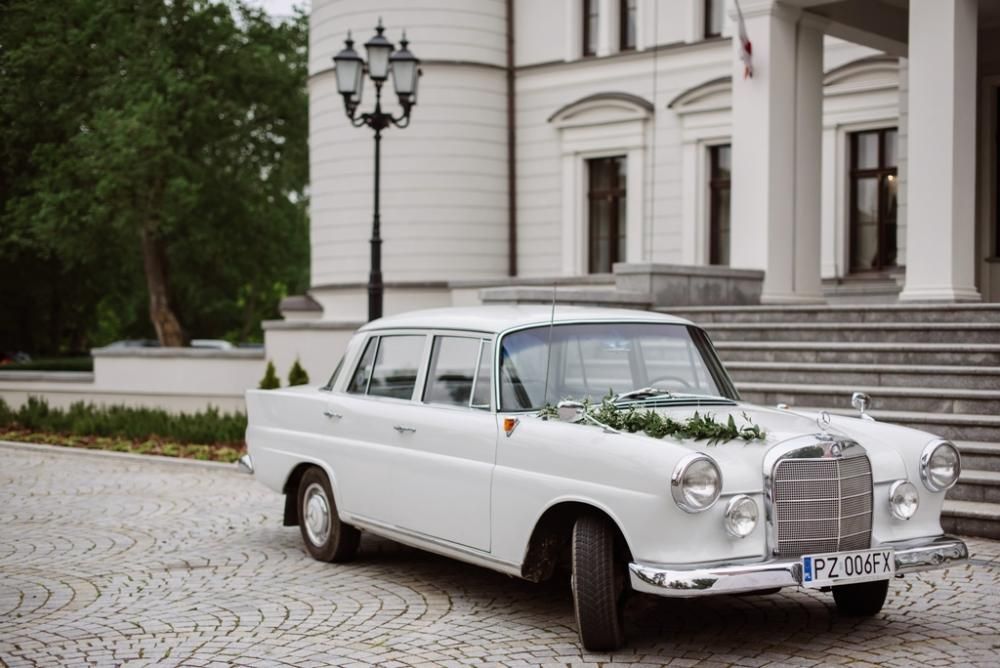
350 69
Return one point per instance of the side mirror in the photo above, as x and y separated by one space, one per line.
570 411
862 402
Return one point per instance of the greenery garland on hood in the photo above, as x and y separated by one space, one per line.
632 420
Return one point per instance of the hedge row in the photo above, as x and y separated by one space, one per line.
204 427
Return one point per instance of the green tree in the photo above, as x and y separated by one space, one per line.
270 380
297 375
151 150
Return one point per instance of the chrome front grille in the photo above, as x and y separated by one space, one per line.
822 505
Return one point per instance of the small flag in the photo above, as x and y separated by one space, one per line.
746 48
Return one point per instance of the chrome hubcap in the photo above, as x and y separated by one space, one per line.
316 509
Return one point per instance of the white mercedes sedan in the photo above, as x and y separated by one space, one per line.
607 444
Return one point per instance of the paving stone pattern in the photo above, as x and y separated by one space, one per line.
111 561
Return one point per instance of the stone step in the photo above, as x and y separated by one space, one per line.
971 518
952 426
980 456
973 485
938 354
858 332
914 399
878 375
923 313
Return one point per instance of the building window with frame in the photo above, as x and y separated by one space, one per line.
591 19
715 11
606 213
873 200
719 182
627 11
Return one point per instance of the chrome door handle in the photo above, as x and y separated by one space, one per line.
401 429
330 414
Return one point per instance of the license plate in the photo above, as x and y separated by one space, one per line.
836 568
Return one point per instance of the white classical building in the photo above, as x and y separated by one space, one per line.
554 140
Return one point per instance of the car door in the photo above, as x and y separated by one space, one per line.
362 412
446 445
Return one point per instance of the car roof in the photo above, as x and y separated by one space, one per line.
494 319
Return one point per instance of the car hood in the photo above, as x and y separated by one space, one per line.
742 461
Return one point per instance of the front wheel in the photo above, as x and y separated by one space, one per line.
325 536
861 600
599 585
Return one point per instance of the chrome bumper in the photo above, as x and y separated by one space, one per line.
245 464
911 556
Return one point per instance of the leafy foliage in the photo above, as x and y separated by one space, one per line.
139 129
297 375
697 427
270 380
204 427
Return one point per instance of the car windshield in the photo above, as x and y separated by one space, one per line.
590 360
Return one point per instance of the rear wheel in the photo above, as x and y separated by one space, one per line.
861 600
325 536
599 584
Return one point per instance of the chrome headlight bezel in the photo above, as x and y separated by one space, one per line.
678 480
731 508
901 487
927 456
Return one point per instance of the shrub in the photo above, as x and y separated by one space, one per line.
297 375
270 380
205 427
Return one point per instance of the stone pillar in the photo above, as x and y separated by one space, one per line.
777 128
941 192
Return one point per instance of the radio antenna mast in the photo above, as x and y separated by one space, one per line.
548 353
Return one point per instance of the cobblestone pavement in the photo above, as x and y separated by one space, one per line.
116 561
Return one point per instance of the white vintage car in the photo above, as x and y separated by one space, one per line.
611 442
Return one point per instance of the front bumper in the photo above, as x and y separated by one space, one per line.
911 556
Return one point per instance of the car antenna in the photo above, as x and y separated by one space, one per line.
548 354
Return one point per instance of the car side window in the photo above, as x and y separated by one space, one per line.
396 363
452 370
482 388
359 382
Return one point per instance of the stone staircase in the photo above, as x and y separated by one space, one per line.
931 367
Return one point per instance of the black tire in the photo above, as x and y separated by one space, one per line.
599 585
331 540
861 600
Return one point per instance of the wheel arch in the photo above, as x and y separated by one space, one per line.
291 487
548 545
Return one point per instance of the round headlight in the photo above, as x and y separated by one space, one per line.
741 516
696 483
903 499
940 465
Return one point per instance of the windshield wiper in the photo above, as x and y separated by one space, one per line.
642 393
657 393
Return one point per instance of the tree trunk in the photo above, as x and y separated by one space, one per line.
154 256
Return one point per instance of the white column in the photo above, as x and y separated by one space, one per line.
777 127
635 210
830 205
607 19
941 192
573 236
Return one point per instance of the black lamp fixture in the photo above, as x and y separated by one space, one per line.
405 70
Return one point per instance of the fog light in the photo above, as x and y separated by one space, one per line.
903 499
741 516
